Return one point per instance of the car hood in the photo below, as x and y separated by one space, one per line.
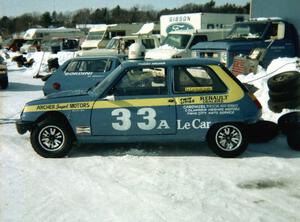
227 44
162 52
90 44
98 52
59 97
68 93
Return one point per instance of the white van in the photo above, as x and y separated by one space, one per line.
99 36
120 44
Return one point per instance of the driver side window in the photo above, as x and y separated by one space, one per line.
142 81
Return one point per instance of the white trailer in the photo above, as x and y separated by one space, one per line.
50 33
288 10
198 21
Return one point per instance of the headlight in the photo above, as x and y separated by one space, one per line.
223 57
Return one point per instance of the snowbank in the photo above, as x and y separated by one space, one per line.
260 79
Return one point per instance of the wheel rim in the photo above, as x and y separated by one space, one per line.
51 138
228 138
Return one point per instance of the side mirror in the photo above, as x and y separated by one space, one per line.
280 31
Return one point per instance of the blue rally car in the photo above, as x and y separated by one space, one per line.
81 73
166 100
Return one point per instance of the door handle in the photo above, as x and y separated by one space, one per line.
171 100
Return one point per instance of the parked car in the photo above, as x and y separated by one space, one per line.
159 100
3 74
81 73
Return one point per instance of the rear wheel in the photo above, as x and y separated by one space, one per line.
227 140
51 139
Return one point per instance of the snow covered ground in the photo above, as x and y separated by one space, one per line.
143 182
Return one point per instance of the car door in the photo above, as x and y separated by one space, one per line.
199 95
138 104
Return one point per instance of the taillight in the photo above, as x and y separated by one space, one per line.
56 86
255 100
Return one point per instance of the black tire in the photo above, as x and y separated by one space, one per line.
289 122
284 95
61 139
4 83
262 131
293 139
277 107
227 140
283 81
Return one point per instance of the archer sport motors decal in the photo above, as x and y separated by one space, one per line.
123 121
77 106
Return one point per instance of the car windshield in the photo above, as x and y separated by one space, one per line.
95 35
112 44
178 41
253 30
102 86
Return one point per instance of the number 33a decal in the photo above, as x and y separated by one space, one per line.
124 122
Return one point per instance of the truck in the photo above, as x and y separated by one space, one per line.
198 21
99 35
181 31
178 44
276 36
287 10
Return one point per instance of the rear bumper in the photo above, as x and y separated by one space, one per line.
24 126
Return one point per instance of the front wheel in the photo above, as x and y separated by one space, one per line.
51 139
227 140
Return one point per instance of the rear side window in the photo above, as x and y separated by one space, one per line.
99 65
196 79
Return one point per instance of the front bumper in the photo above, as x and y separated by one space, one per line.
24 126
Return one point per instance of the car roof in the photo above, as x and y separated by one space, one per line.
126 37
187 32
117 56
170 62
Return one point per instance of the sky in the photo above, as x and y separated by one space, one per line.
18 7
